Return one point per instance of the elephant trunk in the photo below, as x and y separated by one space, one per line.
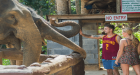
49 33
32 42
75 27
59 38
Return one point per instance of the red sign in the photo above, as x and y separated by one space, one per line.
121 17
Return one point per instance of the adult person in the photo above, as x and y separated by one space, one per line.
128 54
110 48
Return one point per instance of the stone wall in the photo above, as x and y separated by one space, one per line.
55 48
91 46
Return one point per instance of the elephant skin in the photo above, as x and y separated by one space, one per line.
22 23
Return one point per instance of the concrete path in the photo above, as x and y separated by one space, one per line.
104 72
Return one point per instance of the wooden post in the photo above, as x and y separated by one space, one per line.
67 71
84 10
62 7
1 54
98 46
77 6
118 6
69 6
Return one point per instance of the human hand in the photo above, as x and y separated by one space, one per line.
80 32
116 62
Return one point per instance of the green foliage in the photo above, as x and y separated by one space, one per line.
3 46
45 6
73 7
5 62
118 28
137 35
44 48
118 31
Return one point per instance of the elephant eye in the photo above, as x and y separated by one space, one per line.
12 16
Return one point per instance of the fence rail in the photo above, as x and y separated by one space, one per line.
48 64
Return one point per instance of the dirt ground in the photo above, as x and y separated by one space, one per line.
104 72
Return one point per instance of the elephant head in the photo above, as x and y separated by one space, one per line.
22 22
17 20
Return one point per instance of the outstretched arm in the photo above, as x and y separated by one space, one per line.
91 36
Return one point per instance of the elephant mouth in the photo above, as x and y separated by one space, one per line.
5 33
3 36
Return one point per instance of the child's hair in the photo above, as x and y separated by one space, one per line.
135 41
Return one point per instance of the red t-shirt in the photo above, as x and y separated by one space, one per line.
110 47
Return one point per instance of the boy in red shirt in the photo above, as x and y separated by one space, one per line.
110 48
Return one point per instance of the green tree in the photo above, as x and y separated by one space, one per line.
43 7
73 6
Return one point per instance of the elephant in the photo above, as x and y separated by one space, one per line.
24 25
102 4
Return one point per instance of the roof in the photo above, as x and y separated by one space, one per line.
97 18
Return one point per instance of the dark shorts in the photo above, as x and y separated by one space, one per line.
109 64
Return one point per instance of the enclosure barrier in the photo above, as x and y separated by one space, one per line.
72 64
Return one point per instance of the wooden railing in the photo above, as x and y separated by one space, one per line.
47 65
